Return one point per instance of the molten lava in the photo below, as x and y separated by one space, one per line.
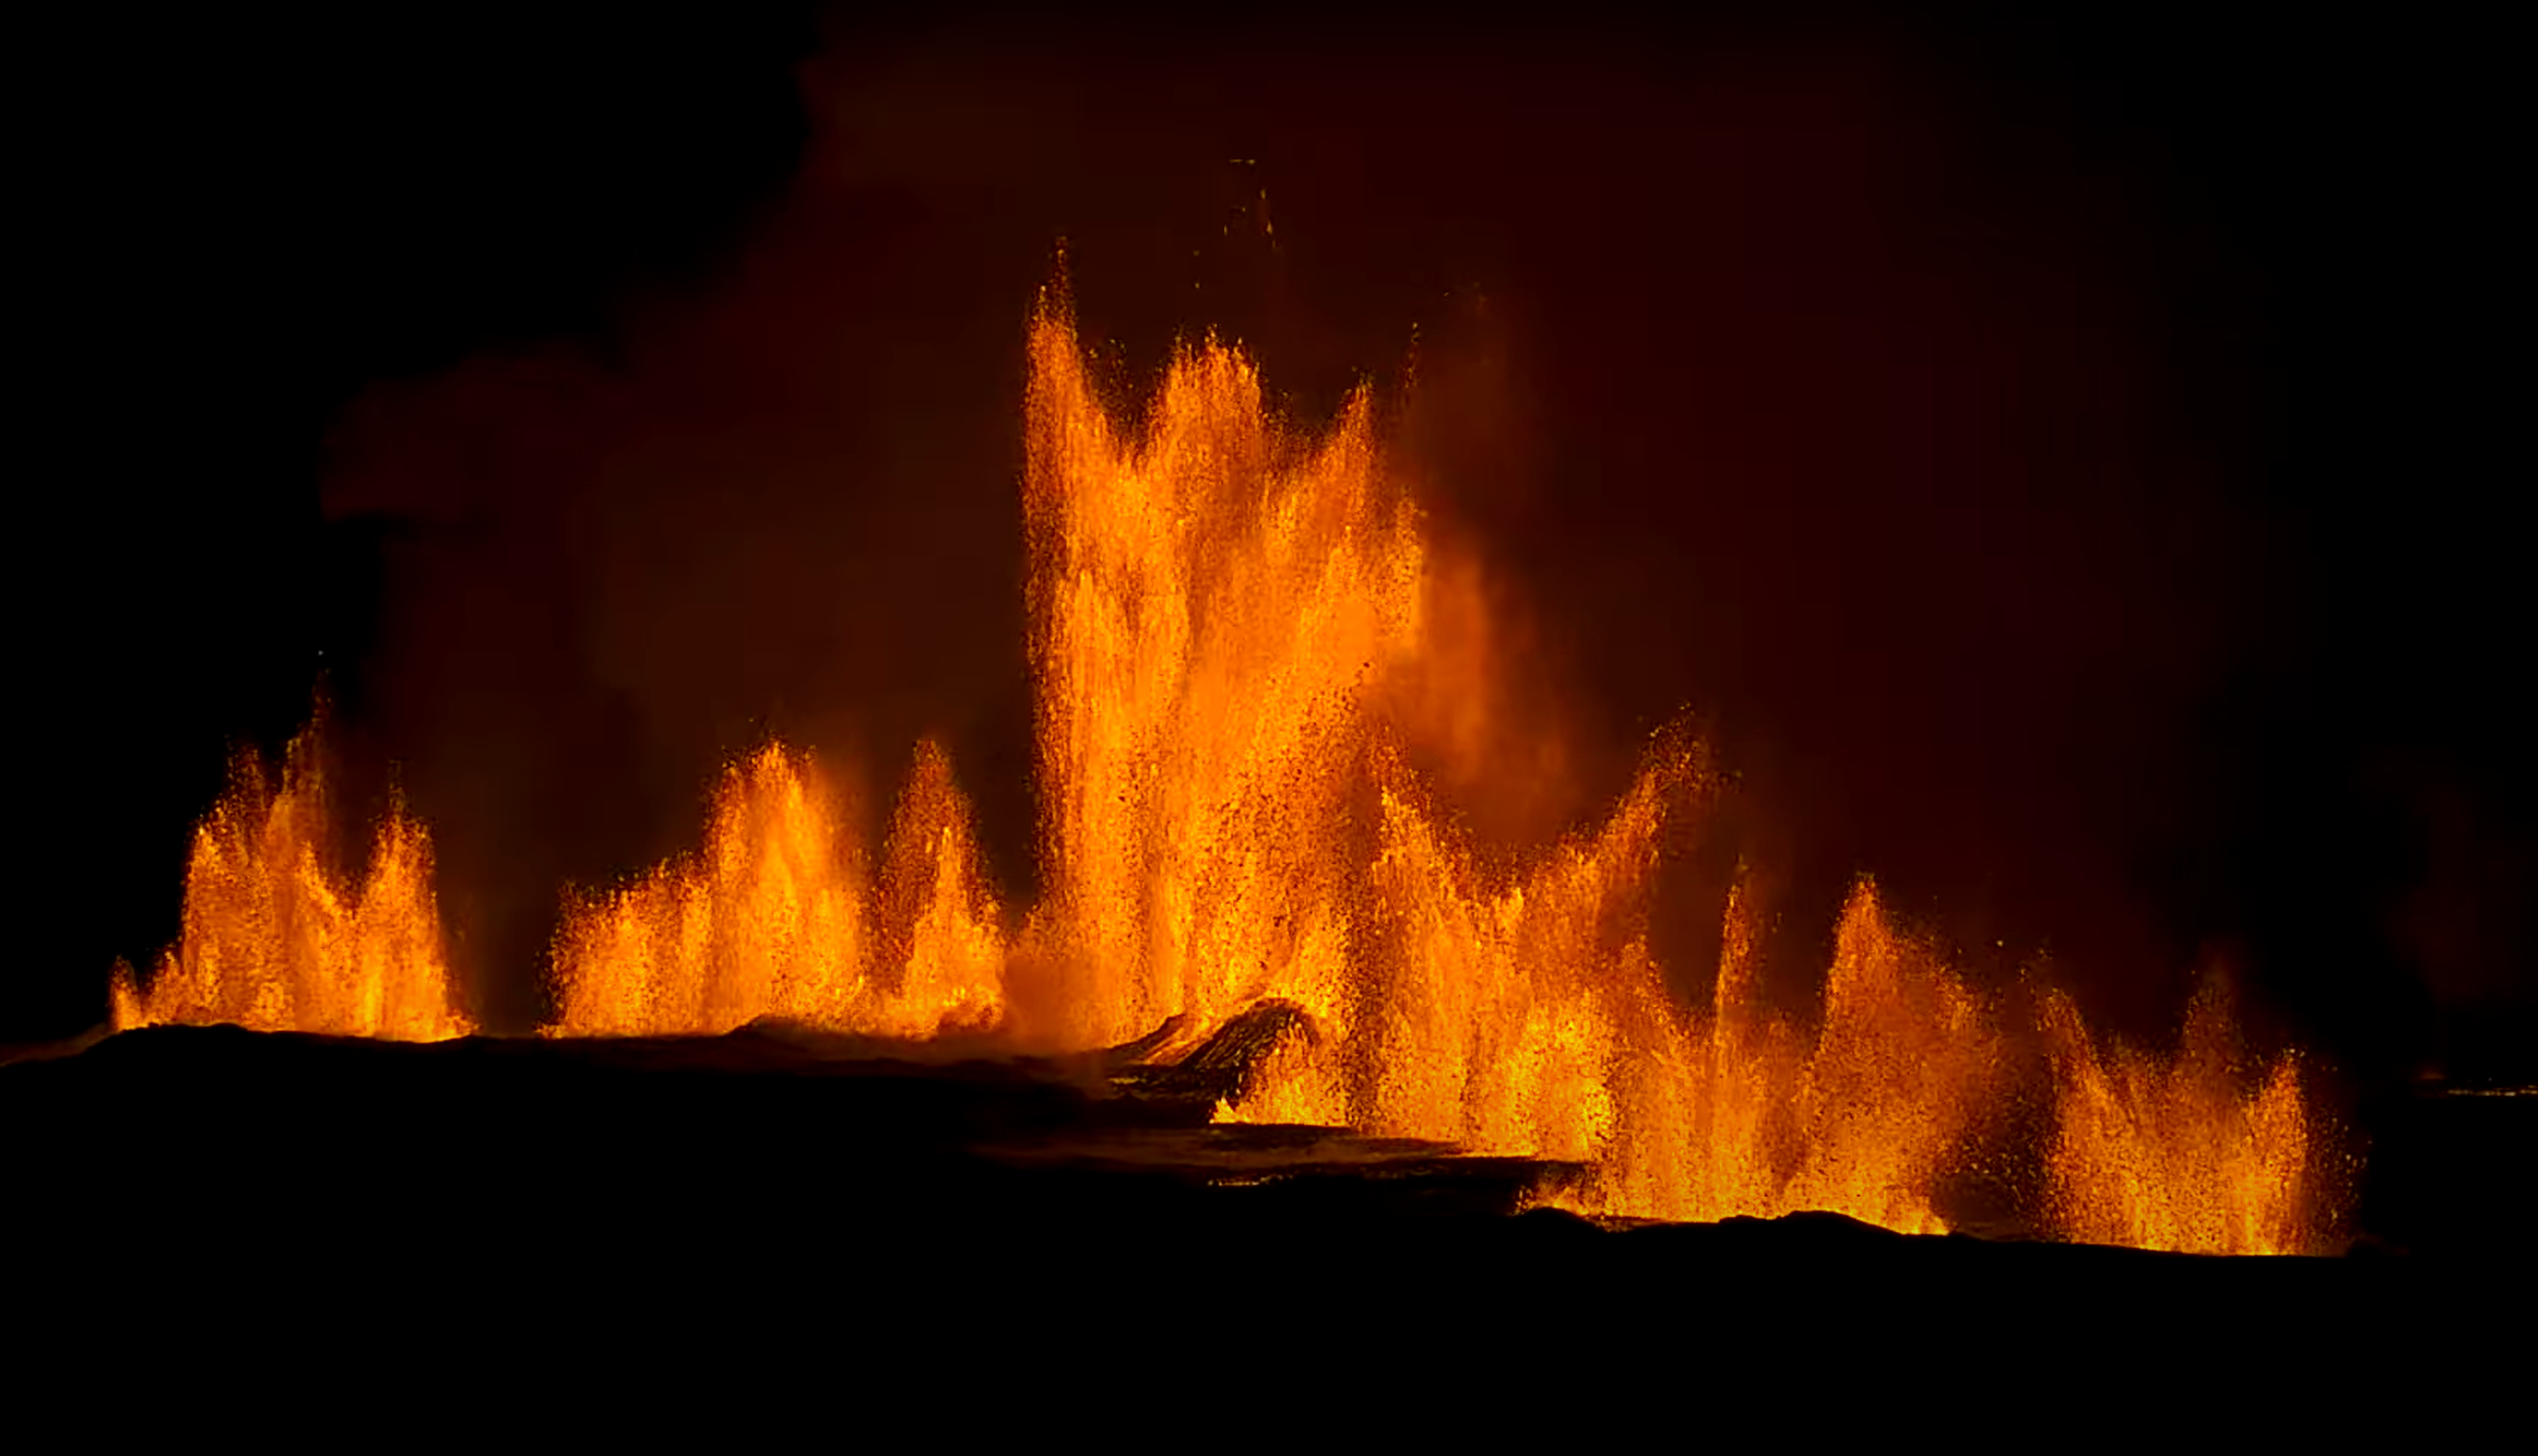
1235 630
1747 1113
779 917
277 939
1217 610
1221 612
1212 607
2184 1154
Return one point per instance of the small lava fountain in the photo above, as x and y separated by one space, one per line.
277 938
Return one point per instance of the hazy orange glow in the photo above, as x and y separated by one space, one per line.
277 939
2183 1153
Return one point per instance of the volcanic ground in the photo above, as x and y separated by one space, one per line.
944 1194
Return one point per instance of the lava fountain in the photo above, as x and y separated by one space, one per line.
779 917
1221 612
1236 631
277 938
2173 1153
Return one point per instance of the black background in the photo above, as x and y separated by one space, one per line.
2064 461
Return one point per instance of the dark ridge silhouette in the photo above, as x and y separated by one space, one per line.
535 1195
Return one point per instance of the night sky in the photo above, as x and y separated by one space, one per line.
2062 467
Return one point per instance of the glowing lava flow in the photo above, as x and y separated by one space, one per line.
275 939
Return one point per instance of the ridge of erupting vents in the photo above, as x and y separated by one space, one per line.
1224 614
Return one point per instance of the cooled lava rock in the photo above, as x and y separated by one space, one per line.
747 1181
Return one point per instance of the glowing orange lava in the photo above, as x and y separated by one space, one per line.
1216 607
1212 607
2181 1153
779 917
1754 1115
277 939
1226 622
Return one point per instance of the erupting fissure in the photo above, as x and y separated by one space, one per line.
278 939
1232 626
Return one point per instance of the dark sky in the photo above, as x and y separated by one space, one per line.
2056 460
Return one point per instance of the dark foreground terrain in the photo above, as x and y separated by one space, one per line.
620 1209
